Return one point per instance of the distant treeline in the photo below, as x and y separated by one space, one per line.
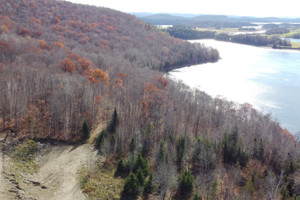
253 39
296 35
274 31
188 33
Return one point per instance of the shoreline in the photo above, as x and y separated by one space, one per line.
285 49
213 68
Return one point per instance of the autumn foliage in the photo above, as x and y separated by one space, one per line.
71 63
85 63
44 45
67 65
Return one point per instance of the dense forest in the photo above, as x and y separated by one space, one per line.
66 68
254 39
57 70
188 33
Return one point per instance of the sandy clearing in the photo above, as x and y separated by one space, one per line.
57 178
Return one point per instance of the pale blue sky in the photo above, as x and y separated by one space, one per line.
259 8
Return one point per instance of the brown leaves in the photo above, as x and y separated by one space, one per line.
59 44
118 83
97 74
36 34
44 45
253 166
85 63
55 20
97 99
162 82
67 65
23 31
121 74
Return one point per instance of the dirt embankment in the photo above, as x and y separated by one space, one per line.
56 177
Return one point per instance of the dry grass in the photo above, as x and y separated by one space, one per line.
101 183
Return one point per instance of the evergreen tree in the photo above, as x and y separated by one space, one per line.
235 135
141 163
261 152
232 150
140 177
114 122
162 153
255 153
149 186
214 189
146 147
122 168
180 150
131 189
186 181
147 141
197 197
242 157
85 131
290 186
132 145
291 168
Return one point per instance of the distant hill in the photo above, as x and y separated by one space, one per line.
233 21
165 19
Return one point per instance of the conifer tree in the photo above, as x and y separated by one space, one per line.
162 153
140 177
147 141
131 189
255 153
114 122
261 152
149 186
180 150
186 181
132 145
122 168
85 131
141 163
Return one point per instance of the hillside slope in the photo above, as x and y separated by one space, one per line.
59 61
67 68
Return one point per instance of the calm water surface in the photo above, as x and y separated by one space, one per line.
266 78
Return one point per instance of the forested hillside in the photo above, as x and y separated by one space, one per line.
61 62
65 68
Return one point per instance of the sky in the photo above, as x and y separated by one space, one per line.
257 8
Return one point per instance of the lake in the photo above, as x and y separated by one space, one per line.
268 79
293 40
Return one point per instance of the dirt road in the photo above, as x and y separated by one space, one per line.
57 178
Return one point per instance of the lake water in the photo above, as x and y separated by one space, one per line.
268 79
293 40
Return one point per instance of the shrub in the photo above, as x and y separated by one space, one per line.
100 139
